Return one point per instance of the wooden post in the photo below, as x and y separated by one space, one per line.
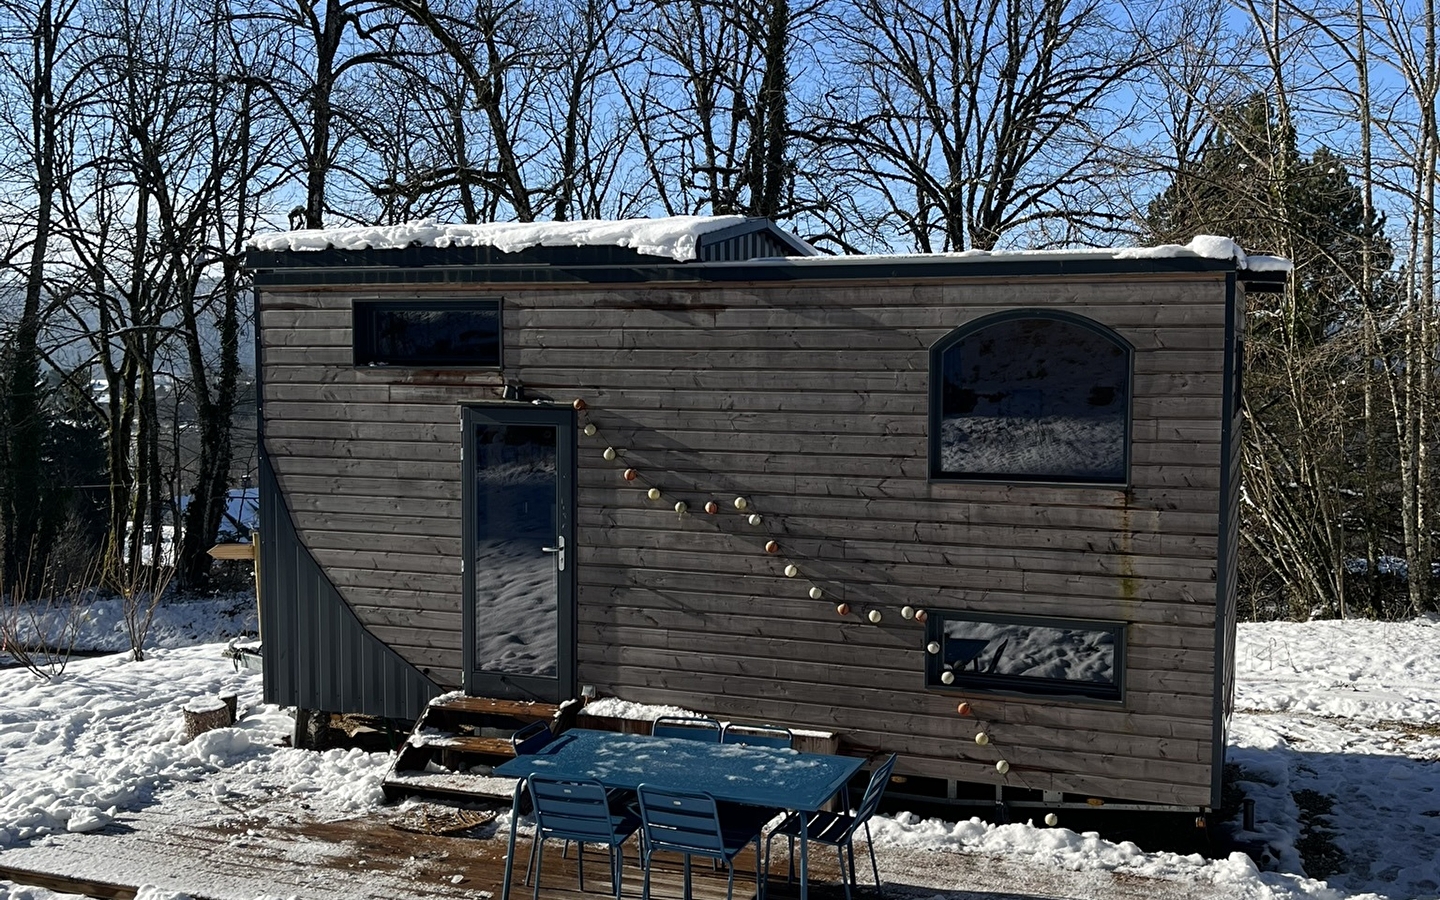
250 551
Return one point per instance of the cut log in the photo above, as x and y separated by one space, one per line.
206 715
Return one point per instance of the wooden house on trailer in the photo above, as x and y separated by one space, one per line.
978 509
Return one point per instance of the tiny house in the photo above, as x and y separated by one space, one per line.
977 509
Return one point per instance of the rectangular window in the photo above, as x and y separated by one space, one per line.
428 334
1053 657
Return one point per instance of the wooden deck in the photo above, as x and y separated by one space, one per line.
273 851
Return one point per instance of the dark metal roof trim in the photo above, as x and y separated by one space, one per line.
399 267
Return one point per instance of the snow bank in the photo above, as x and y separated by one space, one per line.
674 237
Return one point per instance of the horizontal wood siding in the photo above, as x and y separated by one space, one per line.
811 401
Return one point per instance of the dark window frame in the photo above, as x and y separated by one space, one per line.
362 322
937 386
1014 685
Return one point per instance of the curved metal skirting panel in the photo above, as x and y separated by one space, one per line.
317 654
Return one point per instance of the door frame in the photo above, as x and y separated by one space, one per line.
495 684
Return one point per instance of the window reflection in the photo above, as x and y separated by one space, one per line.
430 333
1033 397
1047 656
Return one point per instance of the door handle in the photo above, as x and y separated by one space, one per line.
560 549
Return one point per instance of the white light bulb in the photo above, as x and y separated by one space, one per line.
609 453
590 429
982 738
907 612
875 616
933 647
947 677
741 503
816 593
1002 767
754 518
791 571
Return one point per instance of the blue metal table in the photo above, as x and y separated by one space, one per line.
738 773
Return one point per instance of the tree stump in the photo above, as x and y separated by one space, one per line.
206 715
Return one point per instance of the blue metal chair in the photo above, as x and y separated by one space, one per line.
758 735
689 823
838 829
531 738
690 728
579 811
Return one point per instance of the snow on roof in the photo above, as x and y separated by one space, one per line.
1204 246
675 236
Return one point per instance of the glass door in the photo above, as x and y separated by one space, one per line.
518 539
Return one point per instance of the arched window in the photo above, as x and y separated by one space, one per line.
1031 395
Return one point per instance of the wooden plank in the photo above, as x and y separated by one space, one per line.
303 371
793 603
1086 561
279 447
756 622
232 551
952 504
780 506
918 532
441 585
863 574
380 505
356 431
527 330
370 541
850 362
65 884
604 587
376 524
1135 320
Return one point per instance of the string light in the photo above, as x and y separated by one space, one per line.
741 503
816 593
875 616
791 571
712 507
590 429
681 507
609 454
653 493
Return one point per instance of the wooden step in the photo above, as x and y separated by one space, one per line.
526 710
464 743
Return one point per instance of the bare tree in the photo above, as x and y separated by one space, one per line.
965 124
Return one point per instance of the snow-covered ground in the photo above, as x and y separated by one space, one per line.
1345 712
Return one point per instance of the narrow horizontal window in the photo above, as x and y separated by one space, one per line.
1031 396
1056 657
432 334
